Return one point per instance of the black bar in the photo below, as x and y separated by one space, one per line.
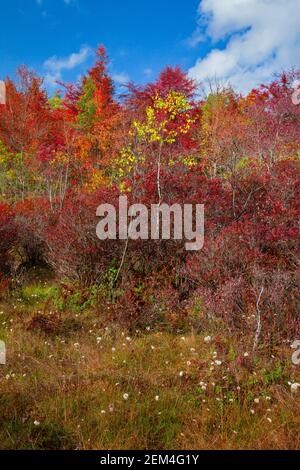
135 459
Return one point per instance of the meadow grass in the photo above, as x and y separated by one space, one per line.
75 381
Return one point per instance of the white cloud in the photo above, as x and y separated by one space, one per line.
121 78
148 71
55 66
41 3
262 37
197 37
67 2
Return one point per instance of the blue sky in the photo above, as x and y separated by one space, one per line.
243 42
141 37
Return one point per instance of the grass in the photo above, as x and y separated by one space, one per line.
74 382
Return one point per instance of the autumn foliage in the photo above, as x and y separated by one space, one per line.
61 157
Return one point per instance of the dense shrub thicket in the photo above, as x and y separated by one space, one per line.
60 158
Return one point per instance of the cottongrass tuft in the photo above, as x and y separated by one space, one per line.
294 387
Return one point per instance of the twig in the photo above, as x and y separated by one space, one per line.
121 264
258 320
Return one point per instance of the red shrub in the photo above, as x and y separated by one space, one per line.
7 234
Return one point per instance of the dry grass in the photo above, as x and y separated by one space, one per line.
63 387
